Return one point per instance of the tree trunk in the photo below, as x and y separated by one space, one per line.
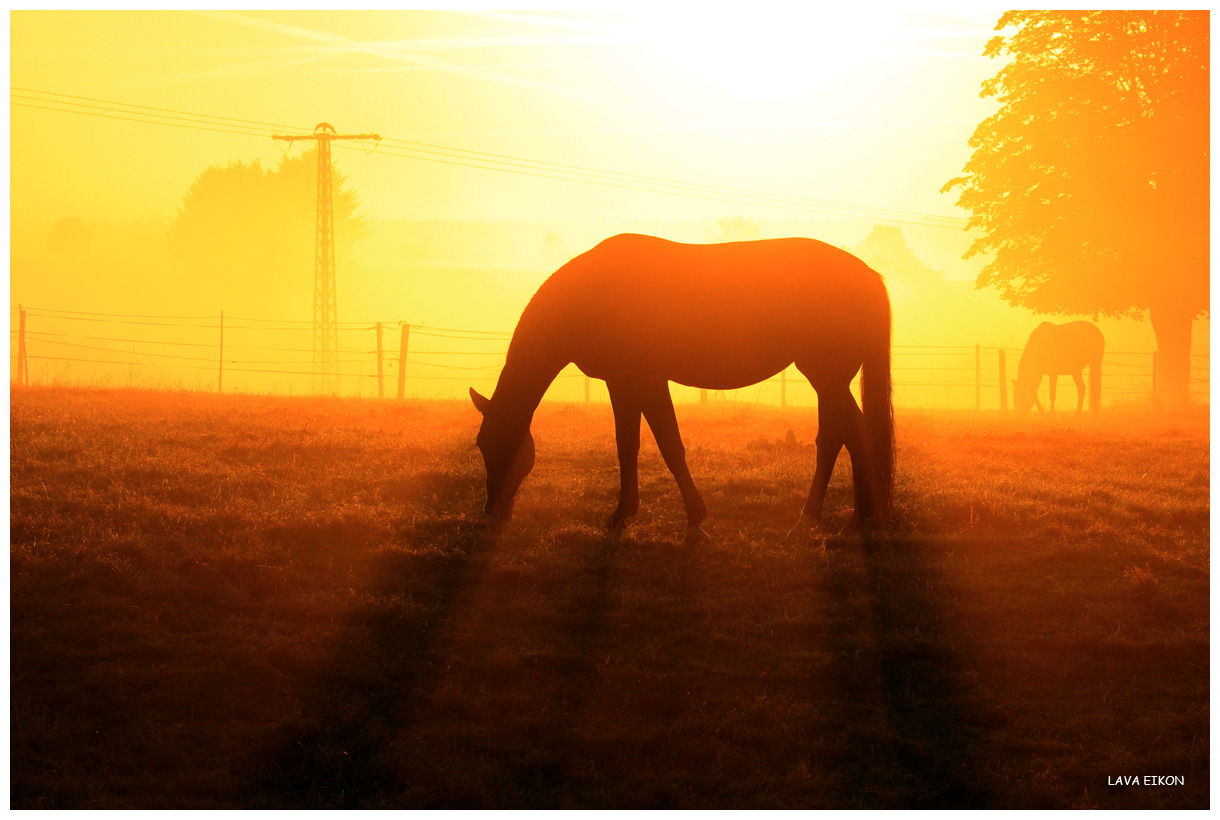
1172 324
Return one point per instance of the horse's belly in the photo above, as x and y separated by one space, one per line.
712 371
705 349
725 378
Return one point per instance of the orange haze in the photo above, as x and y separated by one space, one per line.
510 142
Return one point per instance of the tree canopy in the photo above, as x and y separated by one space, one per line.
1091 181
245 235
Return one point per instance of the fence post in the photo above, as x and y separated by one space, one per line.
783 387
220 371
402 362
978 385
23 368
1003 383
1154 374
380 367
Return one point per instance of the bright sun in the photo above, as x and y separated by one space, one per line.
762 54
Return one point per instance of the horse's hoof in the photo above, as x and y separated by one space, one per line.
616 525
863 526
696 535
801 531
491 530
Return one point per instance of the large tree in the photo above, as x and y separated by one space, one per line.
244 235
1090 182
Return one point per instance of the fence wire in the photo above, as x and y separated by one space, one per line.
923 375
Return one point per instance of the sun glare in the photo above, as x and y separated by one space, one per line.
763 55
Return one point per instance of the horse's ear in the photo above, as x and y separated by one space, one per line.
480 401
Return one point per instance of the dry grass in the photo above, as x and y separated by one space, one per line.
272 602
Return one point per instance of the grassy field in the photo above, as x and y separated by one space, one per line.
263 602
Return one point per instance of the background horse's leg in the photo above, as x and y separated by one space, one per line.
1095 384
659 410
1054 380
626 404
1079 379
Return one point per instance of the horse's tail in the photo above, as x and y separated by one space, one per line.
1095 379
877 396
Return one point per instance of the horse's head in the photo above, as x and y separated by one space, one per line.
508 455
1024 396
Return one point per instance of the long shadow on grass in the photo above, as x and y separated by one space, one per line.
910 729
355 743
339 754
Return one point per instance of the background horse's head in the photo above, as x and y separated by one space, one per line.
508 455
1025 396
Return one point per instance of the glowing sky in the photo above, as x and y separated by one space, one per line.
858 105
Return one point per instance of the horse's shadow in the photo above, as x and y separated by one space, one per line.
359 712
910 728
337 755
900 673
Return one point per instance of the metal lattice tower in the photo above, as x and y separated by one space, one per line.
325 315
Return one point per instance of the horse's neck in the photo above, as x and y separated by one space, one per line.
536 354
528 372
1027 368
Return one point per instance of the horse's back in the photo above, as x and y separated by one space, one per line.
1067 348
712 315
725 283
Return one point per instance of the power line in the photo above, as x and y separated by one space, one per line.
468 154
765 200
153 108
135 119
489 161
124 315
128 322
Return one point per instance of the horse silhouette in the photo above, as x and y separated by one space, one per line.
639 312
1059 350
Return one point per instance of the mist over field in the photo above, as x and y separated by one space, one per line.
478 276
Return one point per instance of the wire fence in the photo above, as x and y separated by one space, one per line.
241 353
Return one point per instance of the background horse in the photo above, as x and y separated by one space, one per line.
639 312
1055 350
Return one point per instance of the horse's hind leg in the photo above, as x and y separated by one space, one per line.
626 404
840 423
831 424
659 410
1079 379
1054 382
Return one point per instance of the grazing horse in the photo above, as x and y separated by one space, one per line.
640 312
1059 350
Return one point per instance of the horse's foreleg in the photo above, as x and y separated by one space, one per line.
1054 382
659 410
626 405
1079 379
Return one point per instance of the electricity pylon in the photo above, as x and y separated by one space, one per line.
325 321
